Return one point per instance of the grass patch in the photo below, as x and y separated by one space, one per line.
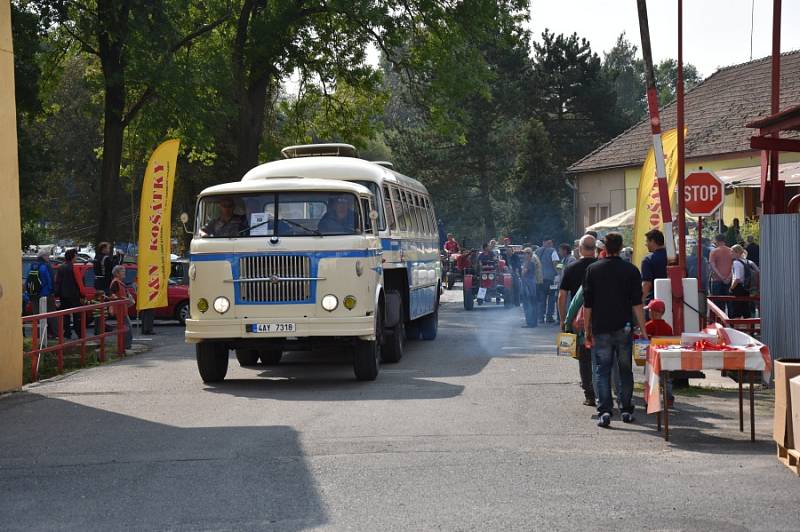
48 362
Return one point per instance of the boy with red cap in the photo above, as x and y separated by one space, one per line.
657 326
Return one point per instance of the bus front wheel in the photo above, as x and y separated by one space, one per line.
212 361
367 353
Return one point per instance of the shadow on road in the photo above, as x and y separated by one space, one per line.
68 466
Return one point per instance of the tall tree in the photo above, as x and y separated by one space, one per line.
135 42
623 68
463 134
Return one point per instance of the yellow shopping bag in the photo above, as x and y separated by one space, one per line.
567 344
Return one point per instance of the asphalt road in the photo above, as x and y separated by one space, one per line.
481 429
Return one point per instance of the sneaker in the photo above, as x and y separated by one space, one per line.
627 417
604 420
589 401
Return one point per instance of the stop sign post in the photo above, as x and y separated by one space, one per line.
703 195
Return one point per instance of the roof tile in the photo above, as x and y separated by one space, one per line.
716 113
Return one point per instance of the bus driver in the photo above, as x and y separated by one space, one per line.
227 224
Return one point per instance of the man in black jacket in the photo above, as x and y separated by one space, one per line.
69 287
612 297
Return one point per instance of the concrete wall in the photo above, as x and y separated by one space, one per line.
10 263
600 194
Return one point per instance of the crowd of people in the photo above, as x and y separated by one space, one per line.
62 288
592 289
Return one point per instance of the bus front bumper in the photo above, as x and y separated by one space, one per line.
362 327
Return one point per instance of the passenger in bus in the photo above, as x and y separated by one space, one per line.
227 224
339 218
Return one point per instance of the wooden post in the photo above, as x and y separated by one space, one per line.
11 358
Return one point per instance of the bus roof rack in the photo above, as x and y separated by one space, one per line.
385 164
319 150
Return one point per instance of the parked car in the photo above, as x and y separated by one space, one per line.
177 292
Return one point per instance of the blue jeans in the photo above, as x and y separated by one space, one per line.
720 288
529 303
606 346
547 300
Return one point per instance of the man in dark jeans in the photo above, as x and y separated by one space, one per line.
612 292
571 281
69 287
549 258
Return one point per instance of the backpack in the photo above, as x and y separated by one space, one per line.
33 284
752 276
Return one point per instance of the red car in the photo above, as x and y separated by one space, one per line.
177 292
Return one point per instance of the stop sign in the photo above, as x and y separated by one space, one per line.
703 193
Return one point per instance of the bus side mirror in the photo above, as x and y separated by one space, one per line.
373 217
184 220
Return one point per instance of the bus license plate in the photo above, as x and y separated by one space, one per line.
272 327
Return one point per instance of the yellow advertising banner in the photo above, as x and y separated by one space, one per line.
155 228
648 205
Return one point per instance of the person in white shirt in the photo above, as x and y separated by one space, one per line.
739 288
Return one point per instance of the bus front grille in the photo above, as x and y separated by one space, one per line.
273 278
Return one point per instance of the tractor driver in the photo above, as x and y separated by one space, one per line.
451 246
486 255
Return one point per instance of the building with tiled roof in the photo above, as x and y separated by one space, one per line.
717 111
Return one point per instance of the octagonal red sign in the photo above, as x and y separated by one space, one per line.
704 193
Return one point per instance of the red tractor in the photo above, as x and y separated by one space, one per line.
487 280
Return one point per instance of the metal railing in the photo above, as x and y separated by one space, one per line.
120 309
751 326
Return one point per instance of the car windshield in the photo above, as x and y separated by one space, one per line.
278 214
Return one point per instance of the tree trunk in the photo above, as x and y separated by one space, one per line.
250 126
113 33
113 131
489 227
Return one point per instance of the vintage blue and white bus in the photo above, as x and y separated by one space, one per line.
288 276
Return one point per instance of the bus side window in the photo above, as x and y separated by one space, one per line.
423 227
407 221
391 222
431 217
423 209
397 202
412 215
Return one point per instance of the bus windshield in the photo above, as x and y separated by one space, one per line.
278 214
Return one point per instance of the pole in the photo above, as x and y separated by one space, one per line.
655 128
776 202
700 286
681 148
674 271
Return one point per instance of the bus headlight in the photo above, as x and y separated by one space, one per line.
221 305
330 302
202 304
349 302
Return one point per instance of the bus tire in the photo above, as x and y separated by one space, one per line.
247 357
429 325
271 357
367 354
412 330
212 361
395 342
